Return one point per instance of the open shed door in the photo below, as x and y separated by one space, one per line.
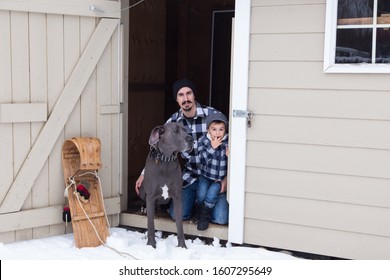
60 77
238 121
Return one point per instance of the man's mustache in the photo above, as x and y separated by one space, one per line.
185 102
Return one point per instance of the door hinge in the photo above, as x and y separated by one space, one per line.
244 114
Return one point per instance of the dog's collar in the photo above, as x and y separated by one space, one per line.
154 152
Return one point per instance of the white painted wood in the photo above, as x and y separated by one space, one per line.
288 19
6 164
65 7
88 103
317 153
320 103
355 133
285 2
23 112
310 76
71 56
116 87
55 83
7 237
347 189
168 225
320 241
38 91
5 58
69 96
39 42
21 132
110 109
237 140
320 214
323 159
45 216
125 106
373 163
287 47
104 93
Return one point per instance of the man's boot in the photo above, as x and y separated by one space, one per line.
204 218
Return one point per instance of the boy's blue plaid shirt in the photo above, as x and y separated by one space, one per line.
196 127
213 161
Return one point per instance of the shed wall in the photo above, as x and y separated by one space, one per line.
318 150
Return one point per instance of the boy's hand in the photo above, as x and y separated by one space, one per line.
215 142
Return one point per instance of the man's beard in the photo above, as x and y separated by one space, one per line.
188 108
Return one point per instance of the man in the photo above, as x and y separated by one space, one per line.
193 116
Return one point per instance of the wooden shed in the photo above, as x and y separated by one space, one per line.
60 77
309 135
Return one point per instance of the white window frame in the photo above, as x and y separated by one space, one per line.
330 46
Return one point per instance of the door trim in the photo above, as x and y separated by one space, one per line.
238 137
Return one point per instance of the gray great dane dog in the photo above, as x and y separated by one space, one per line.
162 177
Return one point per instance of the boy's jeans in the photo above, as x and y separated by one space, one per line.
208 192
219 214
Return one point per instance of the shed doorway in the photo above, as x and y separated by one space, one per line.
168 40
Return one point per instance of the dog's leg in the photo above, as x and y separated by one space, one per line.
150 207
178 211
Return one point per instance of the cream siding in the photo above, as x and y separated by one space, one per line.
318 153
54 58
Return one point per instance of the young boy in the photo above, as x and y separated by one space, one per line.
213 152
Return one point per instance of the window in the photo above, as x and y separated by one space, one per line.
357 36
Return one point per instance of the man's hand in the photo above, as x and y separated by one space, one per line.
138 183
223 185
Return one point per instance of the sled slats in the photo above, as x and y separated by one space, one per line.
91 216
80 159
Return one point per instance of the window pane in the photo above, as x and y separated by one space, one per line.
382 45
383 11
354 45
354 12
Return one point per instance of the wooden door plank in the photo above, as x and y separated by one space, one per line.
20 78
69 96
6 162
23 112
104 93
38 92
71 56
65 7
45 216
55 84
88 105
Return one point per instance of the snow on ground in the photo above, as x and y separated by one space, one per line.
125 244
126 254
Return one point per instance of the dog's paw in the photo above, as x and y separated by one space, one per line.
142 210
182 244
152 243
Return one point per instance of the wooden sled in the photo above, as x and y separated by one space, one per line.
80 163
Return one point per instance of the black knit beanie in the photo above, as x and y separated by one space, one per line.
180 84
217 116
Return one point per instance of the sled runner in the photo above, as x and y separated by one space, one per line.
80 163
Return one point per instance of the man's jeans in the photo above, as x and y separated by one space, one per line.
219 214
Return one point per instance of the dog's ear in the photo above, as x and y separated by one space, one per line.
155 134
